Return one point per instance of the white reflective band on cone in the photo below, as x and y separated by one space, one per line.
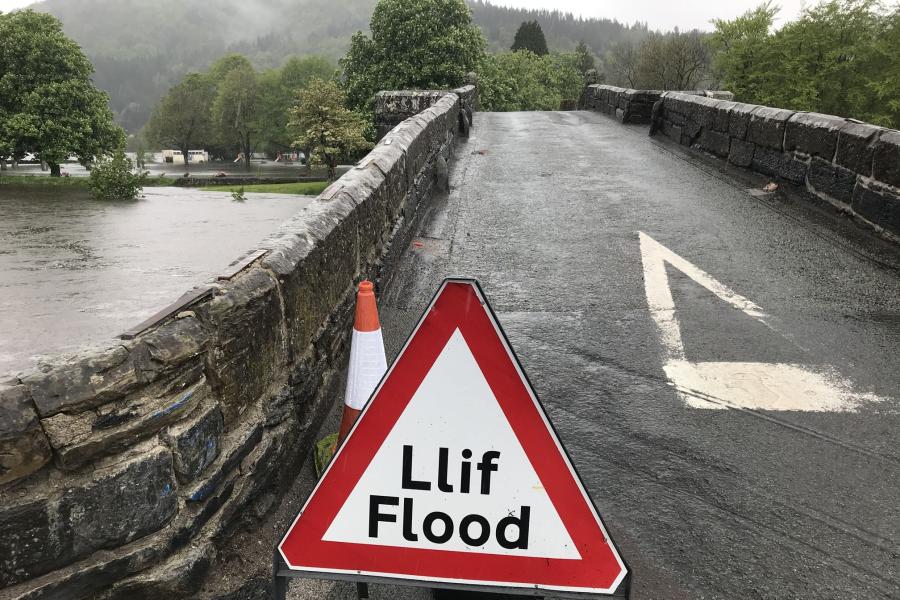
367 366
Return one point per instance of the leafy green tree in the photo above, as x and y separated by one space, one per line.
325 126
415 44
236 111
523 80
530 37
839 57
48 104
586 60
183 118
883 73
113 178
278 89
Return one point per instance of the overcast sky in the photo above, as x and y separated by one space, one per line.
659 14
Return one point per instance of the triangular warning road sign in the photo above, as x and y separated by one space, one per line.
454 476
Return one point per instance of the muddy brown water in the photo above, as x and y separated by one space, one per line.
75 271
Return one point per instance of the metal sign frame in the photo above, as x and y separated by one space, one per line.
282 573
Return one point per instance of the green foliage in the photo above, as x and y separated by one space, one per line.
523 80
113 178
278 89
48 104
236 110
586 60
415 44
183 119
238 195
325 126
840 57
530 37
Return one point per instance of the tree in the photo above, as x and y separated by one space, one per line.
530 37
623 62
278 89
523 80
48 104
236 109
113 178
586 60
672 61
415 44
325 126
839 57
182 119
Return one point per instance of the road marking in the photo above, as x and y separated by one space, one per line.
752 385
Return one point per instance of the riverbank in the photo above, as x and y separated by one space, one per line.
69 182
303 188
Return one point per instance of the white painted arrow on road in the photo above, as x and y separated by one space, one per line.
721 385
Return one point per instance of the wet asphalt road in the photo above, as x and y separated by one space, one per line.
76 271
545 210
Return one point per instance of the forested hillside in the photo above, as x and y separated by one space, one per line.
141 49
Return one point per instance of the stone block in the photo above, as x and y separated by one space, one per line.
120 503
79 438
195 442
23 446
869 202
739 119
83 381
779 164
887 158
767 127
832 180
723 116
96 377
110 507
249 350
235 447
27 548
691 130
856 147
813 133
715 142
741 153
878 204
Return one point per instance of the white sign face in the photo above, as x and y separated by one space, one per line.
453 474
452 452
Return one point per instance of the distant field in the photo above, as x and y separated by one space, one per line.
305 188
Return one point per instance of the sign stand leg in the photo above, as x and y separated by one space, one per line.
362 590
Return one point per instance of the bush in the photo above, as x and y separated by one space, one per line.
113 178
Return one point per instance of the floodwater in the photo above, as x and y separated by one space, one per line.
262 170
76 271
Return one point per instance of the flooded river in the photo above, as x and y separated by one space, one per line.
75 271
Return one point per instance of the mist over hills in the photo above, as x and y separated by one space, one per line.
140 49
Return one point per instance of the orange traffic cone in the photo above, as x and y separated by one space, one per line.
367 359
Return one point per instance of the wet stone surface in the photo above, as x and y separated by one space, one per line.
74 271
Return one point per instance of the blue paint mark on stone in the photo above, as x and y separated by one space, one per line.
184 399
166 490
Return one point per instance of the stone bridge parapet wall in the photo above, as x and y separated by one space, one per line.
393 107
632 106
852 165
123 468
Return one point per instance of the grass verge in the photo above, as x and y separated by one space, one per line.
306 188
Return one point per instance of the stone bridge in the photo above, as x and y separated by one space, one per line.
719 355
